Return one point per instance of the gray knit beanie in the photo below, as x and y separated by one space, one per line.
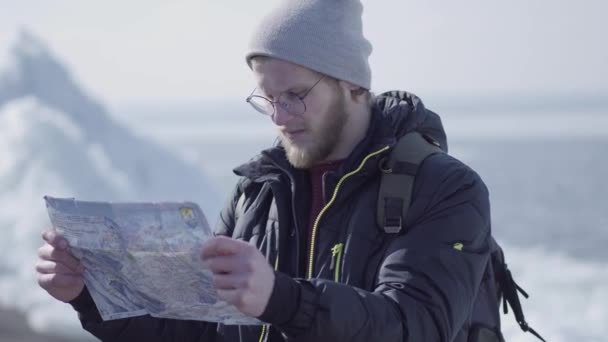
322 35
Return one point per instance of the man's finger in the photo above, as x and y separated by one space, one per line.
54 239
48 281
48 252
235 297
50 267
228 264
45 251
229 281
222 245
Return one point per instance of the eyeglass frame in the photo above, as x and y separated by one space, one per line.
277 102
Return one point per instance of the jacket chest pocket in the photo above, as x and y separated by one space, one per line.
356 246
361 261
356 254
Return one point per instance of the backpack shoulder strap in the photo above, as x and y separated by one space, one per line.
397 181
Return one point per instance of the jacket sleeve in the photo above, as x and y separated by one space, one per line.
227 218
148 328
141 328
427 281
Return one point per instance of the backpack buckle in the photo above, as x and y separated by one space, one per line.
392 225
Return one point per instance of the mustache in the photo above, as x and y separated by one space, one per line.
287 130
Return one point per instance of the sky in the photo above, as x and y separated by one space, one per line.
153 51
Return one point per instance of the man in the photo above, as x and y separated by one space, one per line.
298 244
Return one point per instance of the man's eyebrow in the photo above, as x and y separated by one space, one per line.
296 89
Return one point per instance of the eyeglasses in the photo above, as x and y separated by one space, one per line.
288 101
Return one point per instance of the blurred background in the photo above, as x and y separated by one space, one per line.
144 100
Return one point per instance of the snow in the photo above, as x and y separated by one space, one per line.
56 140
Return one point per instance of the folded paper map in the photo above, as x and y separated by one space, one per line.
143 258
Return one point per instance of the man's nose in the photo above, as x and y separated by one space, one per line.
281 116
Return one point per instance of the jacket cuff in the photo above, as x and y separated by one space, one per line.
283 301
292 305
83 302
85 306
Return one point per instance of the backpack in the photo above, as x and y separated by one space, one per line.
394 199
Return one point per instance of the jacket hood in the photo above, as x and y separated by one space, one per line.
397 113
394 114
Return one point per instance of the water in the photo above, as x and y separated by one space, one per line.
547 193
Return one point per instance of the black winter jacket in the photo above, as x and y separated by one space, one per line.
361 284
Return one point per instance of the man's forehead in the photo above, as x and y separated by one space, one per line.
278 75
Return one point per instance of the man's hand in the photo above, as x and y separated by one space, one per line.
241 274
59 272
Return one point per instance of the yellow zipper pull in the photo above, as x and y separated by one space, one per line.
337 249
336 256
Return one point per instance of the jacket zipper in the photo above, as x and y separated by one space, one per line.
266 327
315 226
336 258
